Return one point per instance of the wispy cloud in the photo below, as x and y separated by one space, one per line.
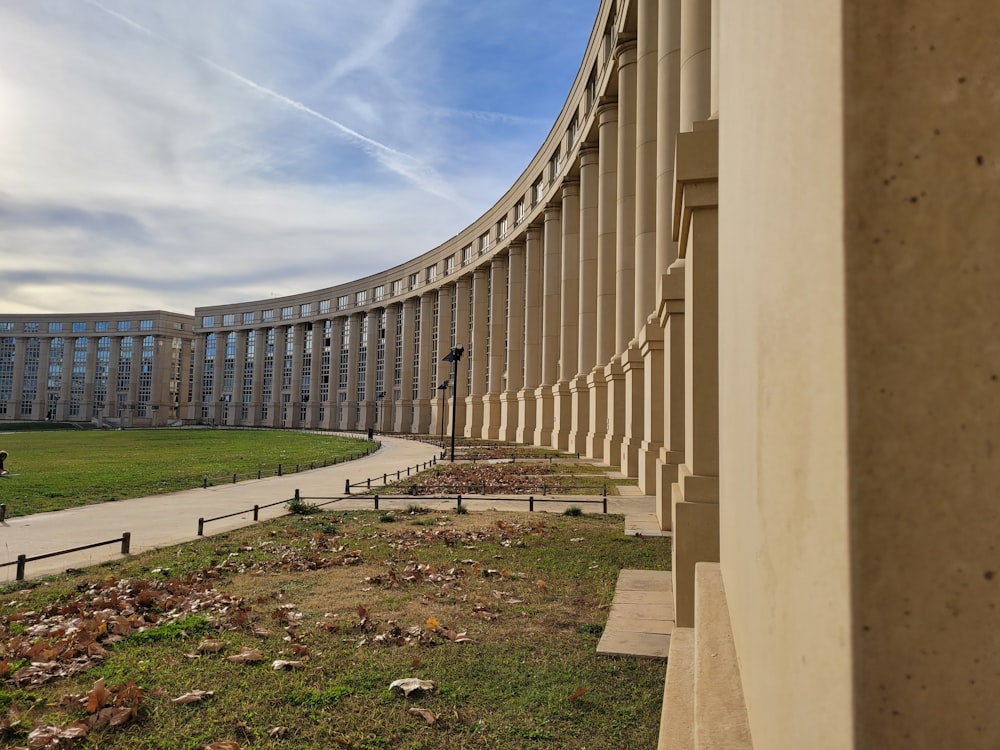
187 153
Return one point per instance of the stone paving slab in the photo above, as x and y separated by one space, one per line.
644 524
642 615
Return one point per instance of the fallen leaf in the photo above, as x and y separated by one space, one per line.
433 623
98 696
278 732
246 656
193 697
211 646
223 745
426 714
279 664
409 684
578 693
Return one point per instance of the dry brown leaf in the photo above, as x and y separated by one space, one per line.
278 732
426 714
193 697
211 646
433 623
279 664
222 745
98 696
577 694
246 656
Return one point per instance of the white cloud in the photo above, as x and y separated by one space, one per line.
183 153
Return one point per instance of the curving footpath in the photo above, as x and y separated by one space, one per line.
172 518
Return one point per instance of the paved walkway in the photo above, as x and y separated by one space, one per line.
163 520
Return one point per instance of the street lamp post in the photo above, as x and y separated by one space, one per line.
441 391
454 356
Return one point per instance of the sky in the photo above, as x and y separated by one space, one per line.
168 154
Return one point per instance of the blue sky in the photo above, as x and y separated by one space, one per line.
165 154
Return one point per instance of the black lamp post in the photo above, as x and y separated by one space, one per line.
454 356
441 391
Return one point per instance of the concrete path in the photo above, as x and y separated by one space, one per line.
163 520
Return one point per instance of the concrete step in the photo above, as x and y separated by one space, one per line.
720 716
677 714
642 615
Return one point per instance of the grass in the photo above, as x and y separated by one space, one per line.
567 477
358 604
57 470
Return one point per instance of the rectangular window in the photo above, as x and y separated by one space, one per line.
361 298
537 191
306 309
484 242
414 280
501 228
397 288
466 255
343 302
519 212
555 164
31 327
449 265
145 325
287 312
380 292
55 327
207 321
229 319
267 316
101 326
432 273
324 307
124 325
79 327
247 318
7 326
574 129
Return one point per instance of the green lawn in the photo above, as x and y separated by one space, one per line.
502 612
57 470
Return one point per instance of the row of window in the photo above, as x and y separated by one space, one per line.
100 326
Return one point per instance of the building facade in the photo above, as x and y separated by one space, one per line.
115 369
754 265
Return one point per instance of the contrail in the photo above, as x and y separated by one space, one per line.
397 161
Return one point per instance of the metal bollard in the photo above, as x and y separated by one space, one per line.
21 561
201 527
347 486
376 502
605 506
126 542
3 512
234 479
256 512
531 503
459 502
279 470
204 483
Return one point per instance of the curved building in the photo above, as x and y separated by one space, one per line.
755 265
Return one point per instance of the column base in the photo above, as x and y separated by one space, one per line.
491 416
544 415
563 414
526 409
649 456
667 466
508 417
580 411
597 387
696 539
472 425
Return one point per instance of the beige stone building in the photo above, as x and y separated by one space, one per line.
115 369
755 264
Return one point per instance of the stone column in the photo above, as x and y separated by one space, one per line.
239 375
41 401
569 310
587 313
257 386
422 404
348 418
463 319
315 368
442 368
671 318
515 343
498 347
532 335
625 298
646 164
696 494
403 420
17 392
194 405
695 63
475 355
87 404
551 287
607 221
667 122
371 348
